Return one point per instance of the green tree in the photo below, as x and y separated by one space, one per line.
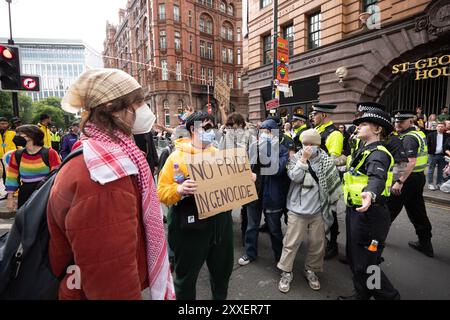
62 119
56 114
25 104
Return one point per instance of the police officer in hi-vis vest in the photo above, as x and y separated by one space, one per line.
367 185
408 188
299 124
333 144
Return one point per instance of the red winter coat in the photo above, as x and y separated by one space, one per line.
99 229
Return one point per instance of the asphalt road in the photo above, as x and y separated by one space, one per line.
415 275
412 273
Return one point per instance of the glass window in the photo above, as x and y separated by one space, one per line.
238 34
224 76
210 51
190 18
314 31
230 33
202 24
177 41
202 49
222 6
162 11
209 27
223 32
202 75
288 34
238 54
230 55
165 72
224 55
230 80
210 77
167 118
162 40
176 13
239 82
190 44
370 6
230 10
264 3
178 70
267 49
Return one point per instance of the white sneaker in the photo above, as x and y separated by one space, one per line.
313 280
244 260
285 282
431 187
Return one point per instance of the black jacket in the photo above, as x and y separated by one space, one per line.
432 141
146 144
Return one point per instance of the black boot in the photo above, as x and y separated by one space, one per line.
423 246
331 250
354 296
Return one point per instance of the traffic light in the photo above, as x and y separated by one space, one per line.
10 68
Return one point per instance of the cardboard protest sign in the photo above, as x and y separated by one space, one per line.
222 91
224 181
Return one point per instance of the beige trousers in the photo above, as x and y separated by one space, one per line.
299 227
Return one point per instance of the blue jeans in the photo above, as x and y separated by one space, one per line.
273 220
439 160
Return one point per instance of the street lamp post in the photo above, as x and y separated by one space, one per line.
275 40
15 98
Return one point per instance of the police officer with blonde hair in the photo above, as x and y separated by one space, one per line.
407 190
366 189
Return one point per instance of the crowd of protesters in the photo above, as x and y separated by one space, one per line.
121 191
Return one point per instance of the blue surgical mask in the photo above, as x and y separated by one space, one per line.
265 137
207 137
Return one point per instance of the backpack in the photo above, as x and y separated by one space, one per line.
44 153
25 271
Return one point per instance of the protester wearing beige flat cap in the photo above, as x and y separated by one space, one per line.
103 212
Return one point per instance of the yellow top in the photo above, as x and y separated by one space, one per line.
7 144
167 187
47 135
334 142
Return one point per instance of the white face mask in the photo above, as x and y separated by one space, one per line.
314 149
144 120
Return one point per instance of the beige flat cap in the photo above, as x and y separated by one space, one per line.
98 86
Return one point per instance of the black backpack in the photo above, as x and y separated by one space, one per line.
44 153
25 271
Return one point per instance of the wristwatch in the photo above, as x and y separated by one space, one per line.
399 181
373 196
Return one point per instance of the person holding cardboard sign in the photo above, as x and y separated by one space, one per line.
195 241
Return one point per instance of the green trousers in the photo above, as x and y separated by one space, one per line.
213 244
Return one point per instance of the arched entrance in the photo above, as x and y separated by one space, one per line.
405 92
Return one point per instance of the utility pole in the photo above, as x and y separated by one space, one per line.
15 98
275 44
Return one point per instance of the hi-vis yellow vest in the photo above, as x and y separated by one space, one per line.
422 153
355 181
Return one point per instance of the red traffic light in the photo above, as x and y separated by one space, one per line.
6 53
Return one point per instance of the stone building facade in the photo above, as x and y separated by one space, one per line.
176 49
346 51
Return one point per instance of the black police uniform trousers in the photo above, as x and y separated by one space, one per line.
412 198
362 228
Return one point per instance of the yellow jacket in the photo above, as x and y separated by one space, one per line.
6 142
334 142
47 135
167 187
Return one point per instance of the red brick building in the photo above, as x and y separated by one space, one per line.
175 48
